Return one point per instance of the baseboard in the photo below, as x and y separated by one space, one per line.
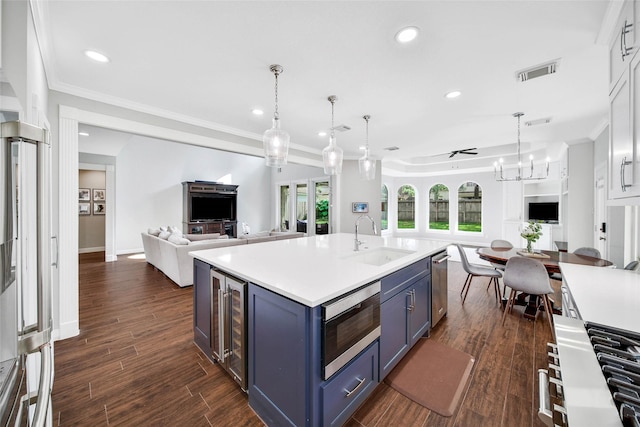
90 250
129 251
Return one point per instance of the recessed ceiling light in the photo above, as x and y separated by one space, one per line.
257 111
83 134
96 56
453 94
322 133
407 34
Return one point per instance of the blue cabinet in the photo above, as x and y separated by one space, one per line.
202 305
346 391
284 359
405 313
285 371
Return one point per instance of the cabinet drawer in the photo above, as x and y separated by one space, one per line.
395 282
342 395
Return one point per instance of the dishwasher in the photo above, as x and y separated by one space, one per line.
438 286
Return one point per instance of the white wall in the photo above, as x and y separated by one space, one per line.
355 189
491 206
149 173
580 228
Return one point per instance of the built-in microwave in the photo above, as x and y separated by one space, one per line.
349 324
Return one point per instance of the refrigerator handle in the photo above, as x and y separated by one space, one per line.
55 263
44 387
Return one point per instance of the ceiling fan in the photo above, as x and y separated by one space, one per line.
463 151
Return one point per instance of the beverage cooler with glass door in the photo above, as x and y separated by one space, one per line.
229 329
26 355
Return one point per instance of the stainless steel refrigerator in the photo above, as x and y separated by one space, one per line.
26 355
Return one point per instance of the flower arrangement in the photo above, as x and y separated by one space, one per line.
531 233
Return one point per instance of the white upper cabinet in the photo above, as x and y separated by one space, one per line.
622 46
621 149
624 109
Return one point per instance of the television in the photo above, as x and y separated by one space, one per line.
207 207
543 211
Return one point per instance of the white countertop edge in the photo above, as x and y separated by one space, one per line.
588 400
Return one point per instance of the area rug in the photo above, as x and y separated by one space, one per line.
433 375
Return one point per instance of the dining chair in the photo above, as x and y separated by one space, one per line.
477 270
528 275
587 251
500 244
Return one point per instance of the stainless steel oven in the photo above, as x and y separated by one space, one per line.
349 324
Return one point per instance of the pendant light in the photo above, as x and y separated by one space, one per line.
366 164
276 140
498 170
332 154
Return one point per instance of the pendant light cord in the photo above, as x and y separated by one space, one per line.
366 118
275 114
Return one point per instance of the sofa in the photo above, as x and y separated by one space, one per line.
168 251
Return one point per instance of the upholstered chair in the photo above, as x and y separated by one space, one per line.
475 271
530 276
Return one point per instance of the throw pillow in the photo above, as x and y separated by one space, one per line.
178 240
164 235
163 228
153 231
174 230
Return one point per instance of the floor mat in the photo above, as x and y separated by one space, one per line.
433 375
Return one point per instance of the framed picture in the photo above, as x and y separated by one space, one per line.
99 195
83 209
360 207
84 194
99 208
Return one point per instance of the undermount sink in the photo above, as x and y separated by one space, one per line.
378 256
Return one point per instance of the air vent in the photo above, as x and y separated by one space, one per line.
537 122
392 148
341 128
537 71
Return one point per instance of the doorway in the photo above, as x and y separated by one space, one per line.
92 205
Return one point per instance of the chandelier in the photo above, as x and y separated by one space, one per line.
276 140
366 164
332 154
497 166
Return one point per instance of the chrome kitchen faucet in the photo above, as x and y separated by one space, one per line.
357 243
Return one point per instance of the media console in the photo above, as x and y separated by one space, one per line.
209 207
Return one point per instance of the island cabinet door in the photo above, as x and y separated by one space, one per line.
202 303
284 359
420 312
394 330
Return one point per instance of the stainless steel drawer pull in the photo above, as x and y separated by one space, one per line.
360 382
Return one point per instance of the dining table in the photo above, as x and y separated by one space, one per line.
550 259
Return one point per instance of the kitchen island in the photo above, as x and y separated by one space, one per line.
288 282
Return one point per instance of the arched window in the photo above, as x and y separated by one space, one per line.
406 207
439 207
470 207
384 208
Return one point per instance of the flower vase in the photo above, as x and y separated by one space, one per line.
529 248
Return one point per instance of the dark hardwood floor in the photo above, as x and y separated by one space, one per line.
134 362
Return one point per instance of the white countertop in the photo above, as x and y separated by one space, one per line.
604 295
314 270
587 399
